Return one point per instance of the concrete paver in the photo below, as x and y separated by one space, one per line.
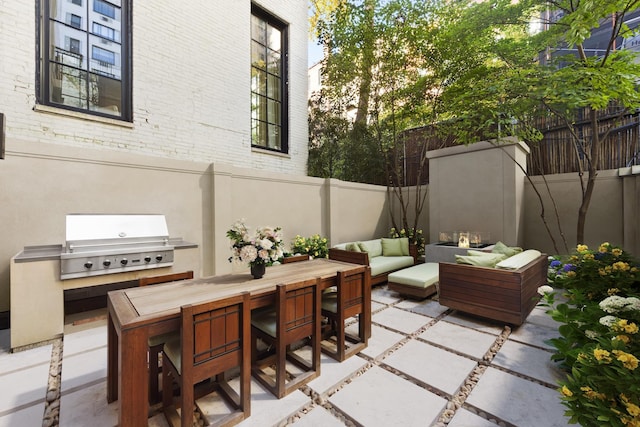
380 398
468 341
529 361
438 368
517 401
399 379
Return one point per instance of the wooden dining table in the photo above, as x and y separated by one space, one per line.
135 314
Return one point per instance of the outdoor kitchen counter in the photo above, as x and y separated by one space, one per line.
136 314
37 292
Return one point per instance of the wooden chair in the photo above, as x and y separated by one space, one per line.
157 342
295 258
213 340
295 318
352 295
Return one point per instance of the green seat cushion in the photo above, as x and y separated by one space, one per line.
372 247
385 264
501 248
519 260
420 276
173 351
163 338
391 247
265 320
330 302
484 260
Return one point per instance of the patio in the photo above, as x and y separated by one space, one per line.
425 365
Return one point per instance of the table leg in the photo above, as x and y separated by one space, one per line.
112 360
133 389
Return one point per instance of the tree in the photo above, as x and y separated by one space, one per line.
503 80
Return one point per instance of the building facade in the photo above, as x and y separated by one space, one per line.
120 106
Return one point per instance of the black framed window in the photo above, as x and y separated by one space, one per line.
269 106
82 65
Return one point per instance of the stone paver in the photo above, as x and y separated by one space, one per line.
381 340
530 361
517 401
468 341
333 372
426 307
473 322
400 320
382 295
380 398
395 372
438 368
464 418
318 417
535 335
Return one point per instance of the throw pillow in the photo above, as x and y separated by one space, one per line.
372 247
519 260
486 260
501 248
391 247
352 247
404 245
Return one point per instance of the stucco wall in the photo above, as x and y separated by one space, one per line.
604 222
42 183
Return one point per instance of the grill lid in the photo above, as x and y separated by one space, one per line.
103 244
88 233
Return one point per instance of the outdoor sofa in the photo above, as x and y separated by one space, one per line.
383 255
506 292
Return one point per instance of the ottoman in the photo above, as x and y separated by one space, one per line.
419 281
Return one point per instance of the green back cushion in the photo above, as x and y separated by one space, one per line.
501 248
392 247
485 260
353 247
372 247
404 245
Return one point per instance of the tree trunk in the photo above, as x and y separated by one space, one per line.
592 172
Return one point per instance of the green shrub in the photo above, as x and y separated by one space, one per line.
315 246
599 343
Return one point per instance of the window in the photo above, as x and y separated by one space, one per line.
85 69
74 46
268 81
105 32
78 2
75 21
104 8
103 55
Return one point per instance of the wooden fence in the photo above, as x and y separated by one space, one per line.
556 153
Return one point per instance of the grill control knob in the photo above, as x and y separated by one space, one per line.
106 263
124 261
147 259
158 258
88 264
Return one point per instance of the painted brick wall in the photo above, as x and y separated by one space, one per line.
191 76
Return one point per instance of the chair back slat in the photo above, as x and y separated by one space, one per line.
154 280
212 335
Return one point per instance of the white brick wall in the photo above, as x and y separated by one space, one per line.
191 76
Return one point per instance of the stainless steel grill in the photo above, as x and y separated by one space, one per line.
107 244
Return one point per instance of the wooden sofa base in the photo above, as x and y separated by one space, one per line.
362 258
413 291
504 295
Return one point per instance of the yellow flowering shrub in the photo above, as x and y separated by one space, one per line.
315 246
599 343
